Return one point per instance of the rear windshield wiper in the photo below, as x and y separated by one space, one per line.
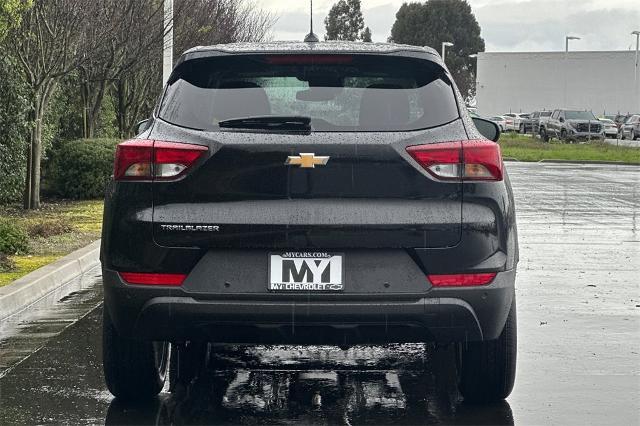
269 122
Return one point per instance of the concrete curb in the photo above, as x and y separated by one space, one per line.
23 292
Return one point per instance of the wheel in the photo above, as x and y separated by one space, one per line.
487 369
187 360
133 369
543 135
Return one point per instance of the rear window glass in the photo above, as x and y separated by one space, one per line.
338 92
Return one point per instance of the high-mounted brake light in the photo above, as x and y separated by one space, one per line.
473 160
141 278
309 59
461 280
154 160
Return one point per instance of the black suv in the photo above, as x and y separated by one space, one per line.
308 193
572 126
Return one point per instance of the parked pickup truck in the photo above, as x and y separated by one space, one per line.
537 118
571 125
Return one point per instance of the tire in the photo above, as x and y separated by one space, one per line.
543 135
487 369
133 370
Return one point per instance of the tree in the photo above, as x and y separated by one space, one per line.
197 22
345 21
50 42
11 14
366 35
437 21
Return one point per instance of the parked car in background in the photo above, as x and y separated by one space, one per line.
525 124
531 124
572 125
620 120
631 128
513 120
537 118
500 121
610 128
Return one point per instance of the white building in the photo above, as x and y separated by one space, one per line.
602 82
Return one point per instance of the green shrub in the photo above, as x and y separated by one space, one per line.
80 169
14 132
13 239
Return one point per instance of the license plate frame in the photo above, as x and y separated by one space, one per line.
312 272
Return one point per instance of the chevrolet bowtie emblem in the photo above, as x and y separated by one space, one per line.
306 161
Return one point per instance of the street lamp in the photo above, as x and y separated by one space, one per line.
445 44
566 69
567 38
167 48
635 74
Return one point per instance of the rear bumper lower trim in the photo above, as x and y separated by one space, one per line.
441 315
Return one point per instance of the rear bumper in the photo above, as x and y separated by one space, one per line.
439 315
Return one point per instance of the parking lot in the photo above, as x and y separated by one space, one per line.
578 319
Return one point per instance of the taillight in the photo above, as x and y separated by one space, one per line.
133 160
461 280
154 160
141 278
466 160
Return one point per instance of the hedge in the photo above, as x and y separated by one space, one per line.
13 239
14 132
80 169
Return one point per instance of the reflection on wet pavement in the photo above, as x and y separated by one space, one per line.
311 391
578 346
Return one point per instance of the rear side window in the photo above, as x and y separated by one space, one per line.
338 92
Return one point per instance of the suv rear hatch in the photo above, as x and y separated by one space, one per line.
347 181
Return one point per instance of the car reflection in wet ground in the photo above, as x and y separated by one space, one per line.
578 346
319 385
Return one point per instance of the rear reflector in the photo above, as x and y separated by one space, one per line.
472 160
154 160
153 279
461 280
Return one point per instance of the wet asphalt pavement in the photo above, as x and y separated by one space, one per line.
578 291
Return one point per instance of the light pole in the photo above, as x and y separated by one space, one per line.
475 56
566 65
167 49
445 44
635 72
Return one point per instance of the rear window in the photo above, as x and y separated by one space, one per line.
338 92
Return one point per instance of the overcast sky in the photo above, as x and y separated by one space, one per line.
507 25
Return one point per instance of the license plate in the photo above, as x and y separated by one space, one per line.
306 271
